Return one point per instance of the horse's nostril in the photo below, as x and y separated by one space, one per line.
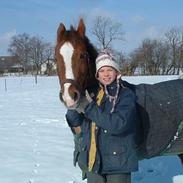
75 96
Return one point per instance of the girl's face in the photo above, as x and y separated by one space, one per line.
106 75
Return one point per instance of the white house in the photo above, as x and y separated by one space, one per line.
49 67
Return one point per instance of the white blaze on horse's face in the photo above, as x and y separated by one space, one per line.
67 51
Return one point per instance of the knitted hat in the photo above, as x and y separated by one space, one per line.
106 58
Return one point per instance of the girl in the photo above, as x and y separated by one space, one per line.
107 149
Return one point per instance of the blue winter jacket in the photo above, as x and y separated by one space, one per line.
115 132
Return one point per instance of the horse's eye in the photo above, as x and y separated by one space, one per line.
84 55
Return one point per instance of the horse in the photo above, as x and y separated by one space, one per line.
160 132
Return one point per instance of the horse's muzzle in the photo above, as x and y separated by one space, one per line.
71 98
71 103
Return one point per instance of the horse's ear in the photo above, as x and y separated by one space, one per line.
81 28
60 31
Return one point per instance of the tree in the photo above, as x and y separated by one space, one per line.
151 57
106 31
181 52
135 62
49 51
31 51
174 38
20 46
40 51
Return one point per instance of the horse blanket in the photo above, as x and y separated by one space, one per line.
160 108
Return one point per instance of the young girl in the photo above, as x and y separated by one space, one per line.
107 149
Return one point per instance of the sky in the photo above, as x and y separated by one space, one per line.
140 19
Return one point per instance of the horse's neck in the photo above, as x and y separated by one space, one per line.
92 87
91 82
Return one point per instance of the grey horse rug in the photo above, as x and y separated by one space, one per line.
160 109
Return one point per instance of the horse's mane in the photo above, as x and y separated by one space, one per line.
91 49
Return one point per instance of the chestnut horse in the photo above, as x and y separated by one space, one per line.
75 57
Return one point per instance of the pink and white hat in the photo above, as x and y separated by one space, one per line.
106 58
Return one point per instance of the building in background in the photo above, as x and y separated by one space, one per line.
10 64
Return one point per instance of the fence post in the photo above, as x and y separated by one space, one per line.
5 85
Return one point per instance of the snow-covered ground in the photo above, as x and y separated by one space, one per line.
36 144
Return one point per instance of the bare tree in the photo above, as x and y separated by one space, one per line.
20 46
181 52
49 59
106 31
174 38
135 62
39 52
162 57
151 57
31 51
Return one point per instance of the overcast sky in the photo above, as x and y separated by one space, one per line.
140 18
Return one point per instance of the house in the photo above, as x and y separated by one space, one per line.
10 64
49 67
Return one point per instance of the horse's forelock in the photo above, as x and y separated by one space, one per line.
72 28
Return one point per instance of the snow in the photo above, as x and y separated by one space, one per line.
36 144
178 179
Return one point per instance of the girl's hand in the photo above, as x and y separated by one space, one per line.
85 100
